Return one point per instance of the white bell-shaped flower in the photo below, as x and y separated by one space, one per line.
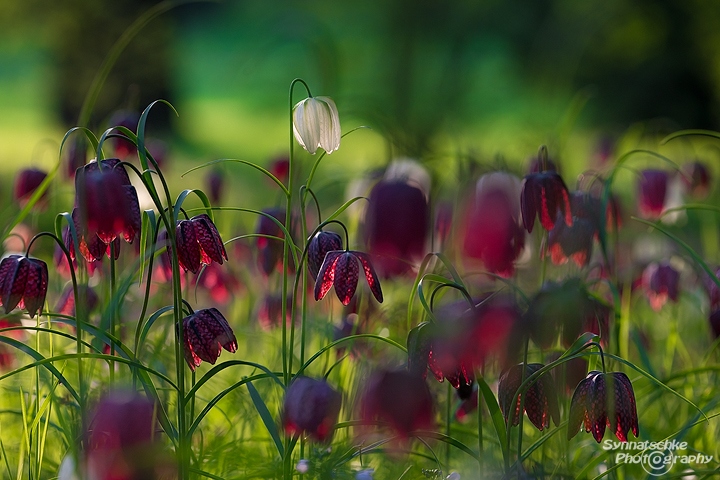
316 123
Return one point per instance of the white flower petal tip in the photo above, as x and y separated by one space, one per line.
316 124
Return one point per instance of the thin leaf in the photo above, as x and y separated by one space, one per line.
343 207
266 417
41 360
495 415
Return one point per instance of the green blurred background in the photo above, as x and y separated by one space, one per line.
431 78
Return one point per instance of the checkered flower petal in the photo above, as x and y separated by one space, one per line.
211 244
319 246
187 246
205 332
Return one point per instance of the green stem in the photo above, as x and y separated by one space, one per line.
113 322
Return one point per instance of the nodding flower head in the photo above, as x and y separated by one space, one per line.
439 348
340 269
696 178
316 124
652 188
121 440
106 203
661 282
319 246
23 283
311 407
397 221
399 398
544 194
198 243
602 400
541 401
493 232
26 182
205 332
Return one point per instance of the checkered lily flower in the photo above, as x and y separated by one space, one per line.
596 409
320 245
652 190
205 332
23 283
106 203
341 270
544 194
311 407
541 401
198 243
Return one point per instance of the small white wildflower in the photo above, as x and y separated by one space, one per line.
303 466
316 124
366 474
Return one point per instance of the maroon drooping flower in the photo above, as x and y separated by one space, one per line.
568 307
544 194
594 408
438 347
541 401
311 407
26 182
106 205
123 147
652 189
576 241
92 248
198 243
76 156
399 398
215 181
121 438
396 226
23 283
340 269
696 178
66 304
270 250
205 332
493 233
661 282
713 292
319 246
280 168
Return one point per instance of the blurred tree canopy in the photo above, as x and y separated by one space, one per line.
412 68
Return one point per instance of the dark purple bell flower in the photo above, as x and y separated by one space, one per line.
595 409
541 401
198 243
661 283
396 225
341 270
26 182
544 194
23 283
205 332
311 407
398 398
652 189
320 245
